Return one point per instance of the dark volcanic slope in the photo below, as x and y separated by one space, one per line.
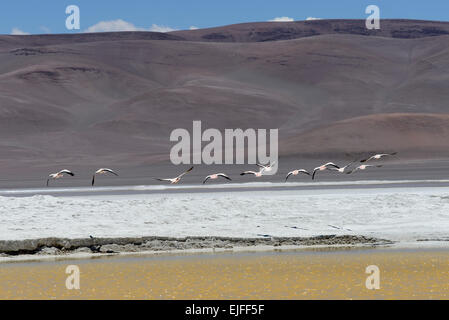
114 102
270 31
16 41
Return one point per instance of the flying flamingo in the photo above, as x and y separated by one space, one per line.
59 174
255 173
342 169
324 167
268 167
296 172
176 179
102 171
378 156
215 176
362 167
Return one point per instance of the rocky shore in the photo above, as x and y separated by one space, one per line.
62 246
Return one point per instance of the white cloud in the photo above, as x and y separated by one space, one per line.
17 31
113 25
282 19
157 28
193 28
45 29
312 18
122 25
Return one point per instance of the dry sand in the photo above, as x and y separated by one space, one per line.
404 274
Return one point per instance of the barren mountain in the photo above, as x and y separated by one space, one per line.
271 31
112 99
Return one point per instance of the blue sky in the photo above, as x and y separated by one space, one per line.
48 16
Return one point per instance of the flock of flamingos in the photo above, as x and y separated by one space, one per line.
263 169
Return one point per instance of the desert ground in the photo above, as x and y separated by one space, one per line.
333 89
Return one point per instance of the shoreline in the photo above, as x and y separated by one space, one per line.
60 248
436 245
223 187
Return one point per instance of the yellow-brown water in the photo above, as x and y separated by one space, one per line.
305 275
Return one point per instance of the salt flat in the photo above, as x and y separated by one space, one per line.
399 213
